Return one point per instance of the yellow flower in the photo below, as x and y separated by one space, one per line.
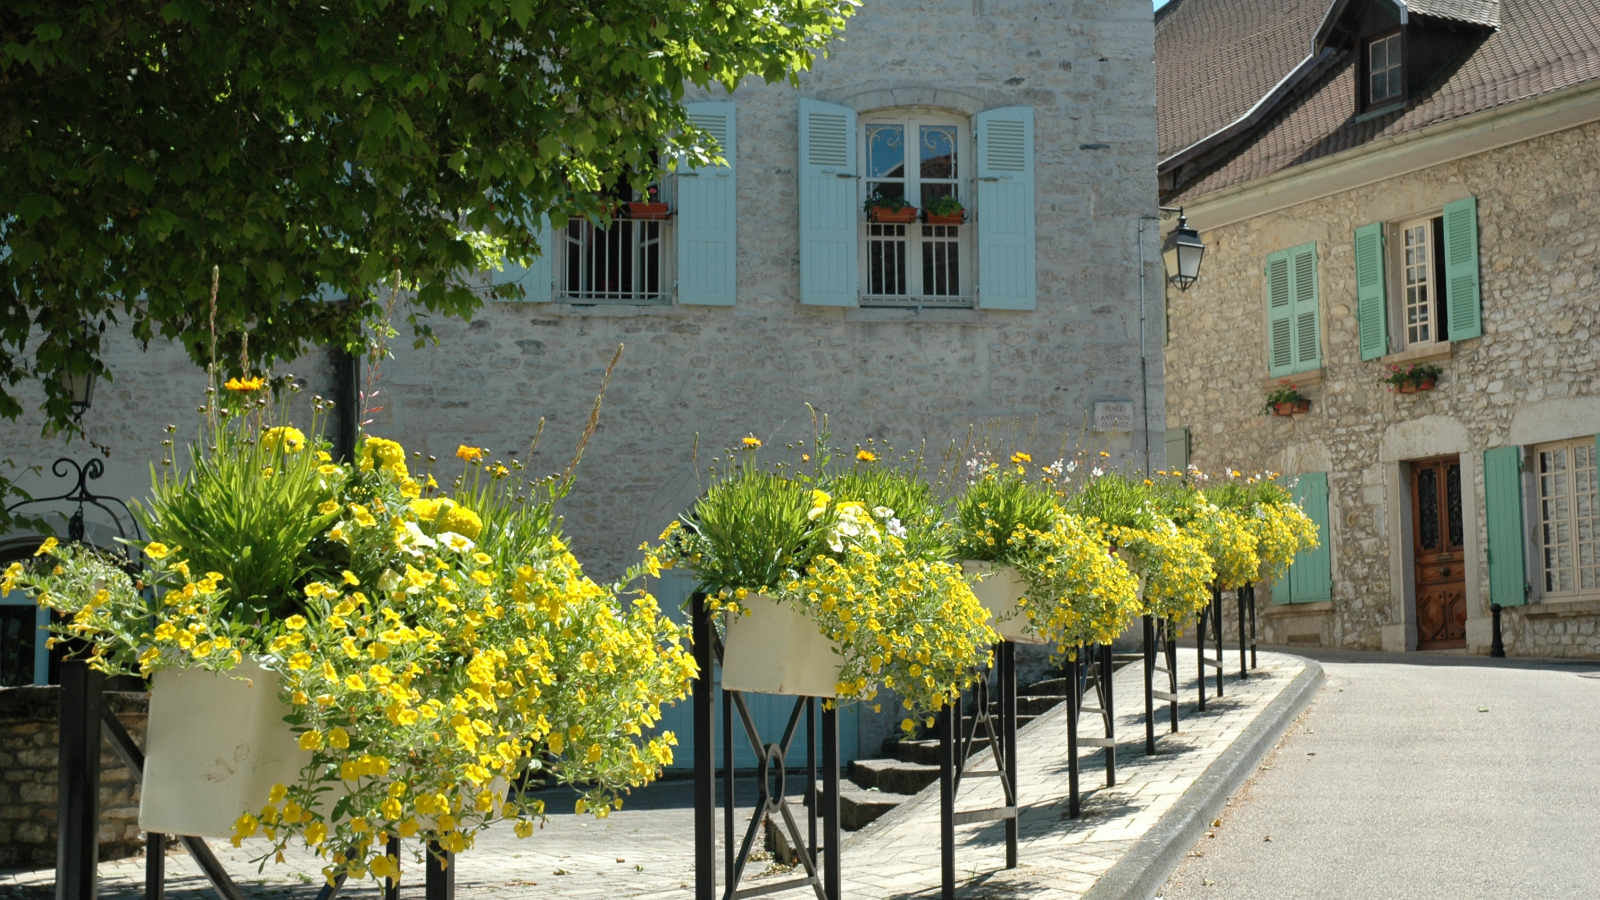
752 441
328 507
866 455
154 549
300 662
246 385
460 520
291 439
350 578
50 544
338 738
295 623
311 740
470 454
1020 458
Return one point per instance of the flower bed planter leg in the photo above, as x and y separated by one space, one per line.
1158 642
1074 703
1244 639
1251 590
1216 625
811 778
155 866
832 874
1167 634
948 719
1008 730
705 757
440 880
78 781
998 722
1200 649
391 885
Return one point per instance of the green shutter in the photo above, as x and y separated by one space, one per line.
1280 316
1177 449
1310 576
1502 507
1461 269
1307 328
1372 308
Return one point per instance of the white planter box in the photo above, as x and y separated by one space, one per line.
777 649
999 590
216 745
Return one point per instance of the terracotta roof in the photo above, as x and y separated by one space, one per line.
1542 46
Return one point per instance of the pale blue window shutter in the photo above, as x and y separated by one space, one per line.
707 204
1307 328
1178 449
1311 573
1280 315
1372 308
1461 269
1007 272
828 219
535 279
1502 512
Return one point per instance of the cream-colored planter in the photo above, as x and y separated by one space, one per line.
777 649
217 743
999 588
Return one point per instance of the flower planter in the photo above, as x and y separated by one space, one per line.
959 218
648 211
1408 389
777 649
217 744
1425 385
999 589
1291 408
905 215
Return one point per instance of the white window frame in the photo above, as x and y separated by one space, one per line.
1545 491
1397 295
588 291
912 120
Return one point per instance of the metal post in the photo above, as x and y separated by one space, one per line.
440 875
391 885
1244 670
155 866
1073 703
78 782
1169 645
1216 622
811 776
705 756
730 855
1497 642
1252 589
1200 647
831 872
1149 686
1008 729
948 719
1109 713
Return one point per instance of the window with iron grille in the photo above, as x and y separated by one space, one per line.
919 159
625 262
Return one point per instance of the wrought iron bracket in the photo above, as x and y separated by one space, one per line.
1091 665
1210 620
1159 647
79 494
955 751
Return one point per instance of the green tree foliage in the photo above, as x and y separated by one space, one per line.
322 150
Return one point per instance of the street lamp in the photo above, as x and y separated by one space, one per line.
80 387
1183 252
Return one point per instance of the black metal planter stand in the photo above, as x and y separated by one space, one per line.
1247 616
1091 665
1210 619
772 770
1159 647
955 748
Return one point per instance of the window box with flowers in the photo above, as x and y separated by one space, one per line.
944 210
652 207
1413 378
889 210
366 654
1286 400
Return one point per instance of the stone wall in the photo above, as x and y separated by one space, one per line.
29 760
1531 377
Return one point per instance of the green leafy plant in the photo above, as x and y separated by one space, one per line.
878 201
902 490
751 530
943 206
998 500
1412 375
1285 392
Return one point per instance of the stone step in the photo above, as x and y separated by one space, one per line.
927 752
966 722
860 807
892 775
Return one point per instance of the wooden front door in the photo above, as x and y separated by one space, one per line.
1436 540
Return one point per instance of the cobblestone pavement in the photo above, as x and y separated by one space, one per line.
646 849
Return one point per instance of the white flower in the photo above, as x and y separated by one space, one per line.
1072 466
883 512
1097 471
460 543
896 529
413 539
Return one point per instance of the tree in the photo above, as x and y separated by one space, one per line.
315 150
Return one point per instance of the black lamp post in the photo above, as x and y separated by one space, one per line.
1183 252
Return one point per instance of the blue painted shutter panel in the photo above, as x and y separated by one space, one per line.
1280 315
536 279
828 219
1007 271
1502 510
1372 307
1311 573
1461 269
708 239
1307 327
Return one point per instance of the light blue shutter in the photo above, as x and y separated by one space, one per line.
536 279
828 220
1007 272
1461 269
1280 315
1502 512
707 204
1178 449
1307 329
1372 308
1311 574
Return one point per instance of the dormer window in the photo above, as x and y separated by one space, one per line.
1383 70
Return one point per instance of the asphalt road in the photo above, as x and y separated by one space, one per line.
1413 777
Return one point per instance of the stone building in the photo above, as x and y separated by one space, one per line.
1397 183
767 289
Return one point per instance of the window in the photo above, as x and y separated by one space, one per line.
918 160
1420 253
1569 516
1428 268
1383 69
624 263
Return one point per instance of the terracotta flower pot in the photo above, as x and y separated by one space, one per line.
1425 384
905 215
959 218
1291 407
777 649
1408 388
648 211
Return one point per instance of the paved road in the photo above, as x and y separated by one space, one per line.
1414 777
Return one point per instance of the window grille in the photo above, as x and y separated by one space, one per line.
914 264
624 263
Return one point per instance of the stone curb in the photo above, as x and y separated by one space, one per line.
1146 865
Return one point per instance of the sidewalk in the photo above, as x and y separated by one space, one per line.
646 849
